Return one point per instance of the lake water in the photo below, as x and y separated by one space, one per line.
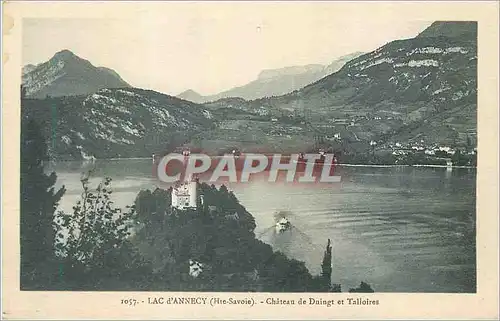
400 229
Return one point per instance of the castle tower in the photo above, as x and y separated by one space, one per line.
185 195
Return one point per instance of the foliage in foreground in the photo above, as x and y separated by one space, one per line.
39 200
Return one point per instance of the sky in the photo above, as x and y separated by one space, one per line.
211 49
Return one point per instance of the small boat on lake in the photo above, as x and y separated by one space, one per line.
283 225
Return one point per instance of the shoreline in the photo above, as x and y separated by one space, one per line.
338 164
419 165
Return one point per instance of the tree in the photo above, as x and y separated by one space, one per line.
95 231
38 204
326 267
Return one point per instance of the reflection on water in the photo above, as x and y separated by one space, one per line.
401 229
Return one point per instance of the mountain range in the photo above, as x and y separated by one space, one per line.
274 82
423 88
420 90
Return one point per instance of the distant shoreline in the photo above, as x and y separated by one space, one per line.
339 164
423 165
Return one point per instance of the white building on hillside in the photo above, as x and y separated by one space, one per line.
185 195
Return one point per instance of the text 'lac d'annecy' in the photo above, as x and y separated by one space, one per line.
293 168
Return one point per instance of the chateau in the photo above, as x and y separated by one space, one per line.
185 195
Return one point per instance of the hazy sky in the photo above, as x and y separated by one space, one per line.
211 51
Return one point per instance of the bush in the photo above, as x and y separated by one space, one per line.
362 288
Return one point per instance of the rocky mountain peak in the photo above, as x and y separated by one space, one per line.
64 55
66 74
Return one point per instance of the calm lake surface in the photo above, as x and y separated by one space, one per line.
400 229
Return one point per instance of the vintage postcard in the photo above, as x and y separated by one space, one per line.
262 160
